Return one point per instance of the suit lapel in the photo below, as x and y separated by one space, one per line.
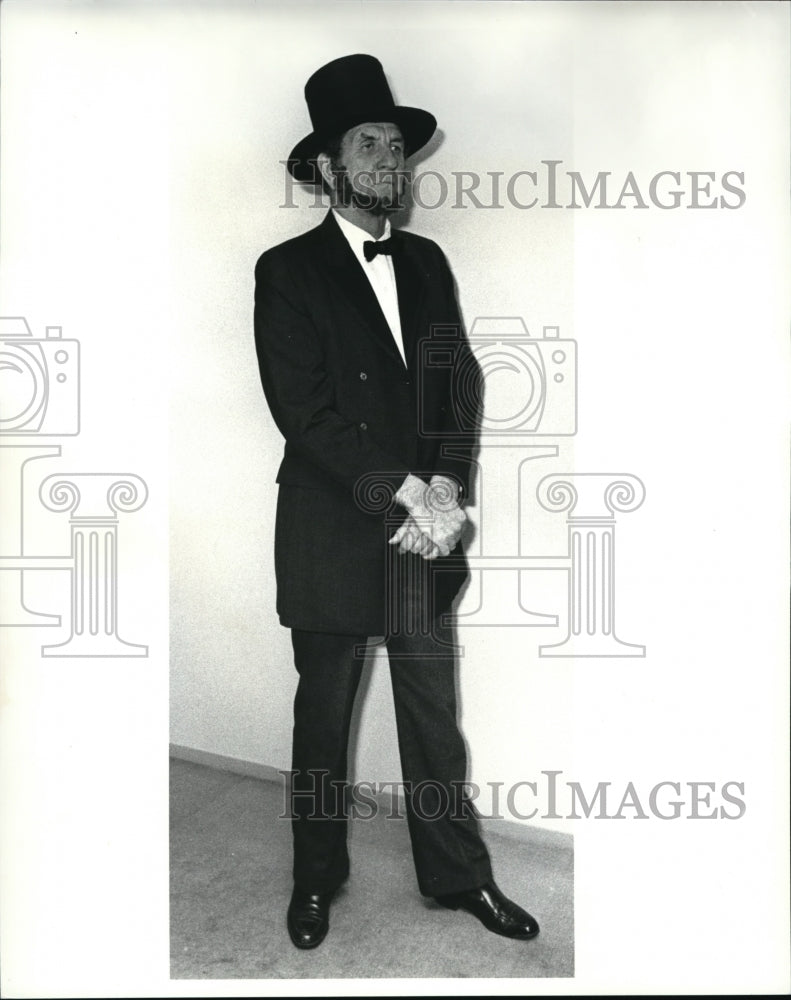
356 288
411 287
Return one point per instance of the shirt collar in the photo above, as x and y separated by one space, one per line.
356 236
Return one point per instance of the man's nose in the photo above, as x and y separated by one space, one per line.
389 159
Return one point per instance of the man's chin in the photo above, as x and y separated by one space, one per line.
381 204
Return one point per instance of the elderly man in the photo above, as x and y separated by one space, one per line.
369 516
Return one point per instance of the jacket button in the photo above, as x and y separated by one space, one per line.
363 426
363 376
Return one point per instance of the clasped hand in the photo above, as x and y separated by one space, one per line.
435 520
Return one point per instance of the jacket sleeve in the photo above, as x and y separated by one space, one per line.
299 390
462 409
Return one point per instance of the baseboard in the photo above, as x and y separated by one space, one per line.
525 832
249 768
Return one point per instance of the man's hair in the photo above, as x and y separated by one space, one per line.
331 148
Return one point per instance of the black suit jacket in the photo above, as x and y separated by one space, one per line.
356 421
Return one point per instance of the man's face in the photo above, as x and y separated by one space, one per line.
370 169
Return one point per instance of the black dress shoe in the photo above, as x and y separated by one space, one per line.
308 918
494 910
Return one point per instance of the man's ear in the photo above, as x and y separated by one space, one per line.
325 166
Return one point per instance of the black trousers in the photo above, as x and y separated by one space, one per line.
447 848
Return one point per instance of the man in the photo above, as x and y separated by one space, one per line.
369 516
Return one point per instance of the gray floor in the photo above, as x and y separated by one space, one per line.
230 886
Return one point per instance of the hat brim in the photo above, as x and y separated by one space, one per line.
417 127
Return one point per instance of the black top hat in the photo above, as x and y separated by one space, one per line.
347 92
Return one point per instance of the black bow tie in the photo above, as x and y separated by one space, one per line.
371 248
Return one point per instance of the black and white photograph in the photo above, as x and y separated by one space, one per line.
339 344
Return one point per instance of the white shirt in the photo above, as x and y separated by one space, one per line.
380 273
